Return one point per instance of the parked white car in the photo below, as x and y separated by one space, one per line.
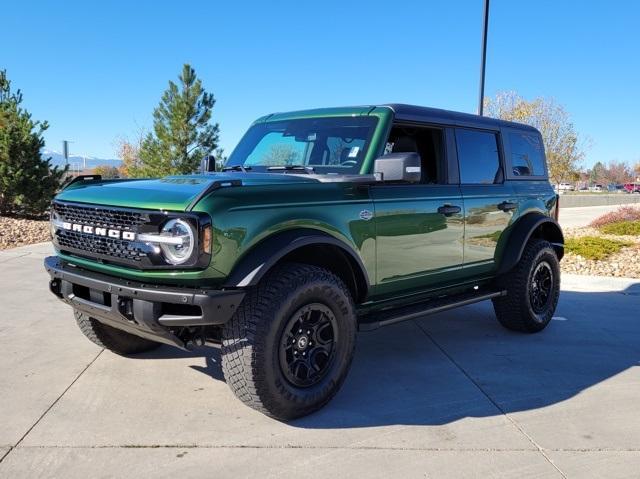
566 187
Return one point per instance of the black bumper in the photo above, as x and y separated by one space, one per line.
146 310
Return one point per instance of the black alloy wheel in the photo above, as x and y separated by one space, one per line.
308 345
541 286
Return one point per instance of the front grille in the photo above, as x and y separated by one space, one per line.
104 248
109 244
125 220
127 250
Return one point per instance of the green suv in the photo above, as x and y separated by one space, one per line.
322 223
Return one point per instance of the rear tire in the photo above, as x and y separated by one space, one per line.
533 288
288 348
120 342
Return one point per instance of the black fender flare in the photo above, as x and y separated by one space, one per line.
524 228
252 266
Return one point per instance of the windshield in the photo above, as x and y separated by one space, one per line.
315 145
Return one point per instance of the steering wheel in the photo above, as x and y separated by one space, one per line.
349 163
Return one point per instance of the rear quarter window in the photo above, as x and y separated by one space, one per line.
527 154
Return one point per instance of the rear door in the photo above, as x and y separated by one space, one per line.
489 201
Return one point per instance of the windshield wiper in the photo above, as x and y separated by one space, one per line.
244 169
301 168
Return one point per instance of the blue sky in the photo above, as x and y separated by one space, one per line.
95 71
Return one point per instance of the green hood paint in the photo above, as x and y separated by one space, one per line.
173 193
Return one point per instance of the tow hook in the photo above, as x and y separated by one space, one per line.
192 337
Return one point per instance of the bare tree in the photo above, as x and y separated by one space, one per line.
619 172
281 155
128 150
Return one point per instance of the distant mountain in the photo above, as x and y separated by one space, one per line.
75 161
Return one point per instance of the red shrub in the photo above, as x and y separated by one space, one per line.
624 213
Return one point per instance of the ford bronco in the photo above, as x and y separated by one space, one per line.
321 223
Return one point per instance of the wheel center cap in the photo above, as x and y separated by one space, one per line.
303 341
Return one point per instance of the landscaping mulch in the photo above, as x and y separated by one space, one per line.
19 232
625 263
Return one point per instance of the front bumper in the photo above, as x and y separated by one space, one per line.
147 310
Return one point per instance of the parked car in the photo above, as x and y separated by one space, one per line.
372 215
632 187
566 187
596 188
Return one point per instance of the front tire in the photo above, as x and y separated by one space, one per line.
120 342
533 289
288 348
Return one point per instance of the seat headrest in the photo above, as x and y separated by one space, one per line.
405 144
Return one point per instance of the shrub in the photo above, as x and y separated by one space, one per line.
624 213
592 247
106 171
620 228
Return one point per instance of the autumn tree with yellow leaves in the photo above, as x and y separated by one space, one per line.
564 148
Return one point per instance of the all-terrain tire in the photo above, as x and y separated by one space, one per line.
254 341
521 309
120 342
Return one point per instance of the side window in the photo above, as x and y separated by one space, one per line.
527 154
428 142
478 156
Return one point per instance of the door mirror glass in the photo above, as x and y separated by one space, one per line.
398 167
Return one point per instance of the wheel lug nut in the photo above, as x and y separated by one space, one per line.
308 332
304 353
299 330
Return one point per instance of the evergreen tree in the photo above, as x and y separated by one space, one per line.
27 181
183 132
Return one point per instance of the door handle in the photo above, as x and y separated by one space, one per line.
449 210
507 206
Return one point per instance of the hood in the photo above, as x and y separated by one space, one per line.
173 193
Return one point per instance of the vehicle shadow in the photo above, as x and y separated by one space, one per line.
462 363
211 355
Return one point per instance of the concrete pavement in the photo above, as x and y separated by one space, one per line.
578 217
452 395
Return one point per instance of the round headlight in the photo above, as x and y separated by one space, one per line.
179 251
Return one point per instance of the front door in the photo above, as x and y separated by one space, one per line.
419 235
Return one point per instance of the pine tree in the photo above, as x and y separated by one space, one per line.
183 132
27 181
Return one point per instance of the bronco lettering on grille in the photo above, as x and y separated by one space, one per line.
111 233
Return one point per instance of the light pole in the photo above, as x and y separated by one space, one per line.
485 27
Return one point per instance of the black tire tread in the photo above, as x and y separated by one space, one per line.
120 342
512 310
243 356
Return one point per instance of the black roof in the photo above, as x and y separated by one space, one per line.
436 115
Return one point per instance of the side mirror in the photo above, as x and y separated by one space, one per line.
403 167
208 164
